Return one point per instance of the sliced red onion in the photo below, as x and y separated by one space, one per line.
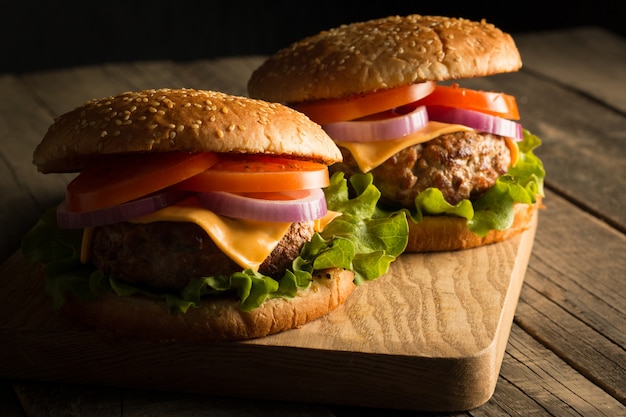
481 122
116 214
310 205
378 129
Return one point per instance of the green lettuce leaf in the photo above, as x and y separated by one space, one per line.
362 239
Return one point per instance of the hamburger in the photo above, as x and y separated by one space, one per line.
387 91
198 216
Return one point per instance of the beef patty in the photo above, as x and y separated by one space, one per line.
462 165
167 255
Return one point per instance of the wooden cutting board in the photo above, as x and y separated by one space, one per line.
429 335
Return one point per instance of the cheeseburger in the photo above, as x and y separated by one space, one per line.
199 216
386 90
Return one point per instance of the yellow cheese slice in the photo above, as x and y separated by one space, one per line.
247 242
369 155
320 224
86 244
513 148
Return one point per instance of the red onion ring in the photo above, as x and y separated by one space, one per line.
376 130
479 121
119 213
310 207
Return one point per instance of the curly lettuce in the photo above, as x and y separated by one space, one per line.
362 239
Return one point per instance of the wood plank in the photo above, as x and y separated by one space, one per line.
25 192
582 320
60 400
229 75
437 346
589 59
57 401
62 90
551 386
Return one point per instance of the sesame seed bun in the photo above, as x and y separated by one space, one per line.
396 51
383 53
179 120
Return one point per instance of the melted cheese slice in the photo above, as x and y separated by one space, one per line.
247 242
512 145
369 155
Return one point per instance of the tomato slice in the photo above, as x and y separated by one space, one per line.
128 177
361 105
496 104
254 173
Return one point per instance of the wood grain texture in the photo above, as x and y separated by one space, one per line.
590 310
430 335
555 54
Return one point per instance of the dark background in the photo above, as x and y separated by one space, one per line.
59 34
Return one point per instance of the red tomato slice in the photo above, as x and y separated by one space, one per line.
361 105
128 177
496 104
253 173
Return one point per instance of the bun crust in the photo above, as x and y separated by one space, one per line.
216 320
447 233
383 53
179 120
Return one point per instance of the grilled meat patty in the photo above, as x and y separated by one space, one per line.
167 255
461 165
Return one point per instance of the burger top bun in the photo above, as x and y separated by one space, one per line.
179 120
384 53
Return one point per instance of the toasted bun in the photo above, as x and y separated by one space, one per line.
179 120
447 233
216 320
383 53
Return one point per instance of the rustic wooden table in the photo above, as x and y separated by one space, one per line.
566 350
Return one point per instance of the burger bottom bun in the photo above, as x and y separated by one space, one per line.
215 320
447 233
